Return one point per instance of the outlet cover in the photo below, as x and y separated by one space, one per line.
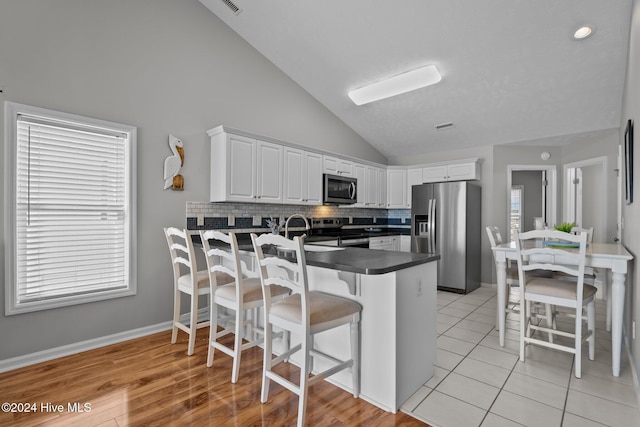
231 221
257 220
200 220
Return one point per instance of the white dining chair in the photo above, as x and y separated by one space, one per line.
547 250
304 313
187 279
241 295
512 279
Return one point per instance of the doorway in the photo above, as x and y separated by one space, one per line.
585 198
531 191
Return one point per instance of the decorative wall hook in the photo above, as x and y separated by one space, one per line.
172 165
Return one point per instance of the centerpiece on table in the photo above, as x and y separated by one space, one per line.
565 227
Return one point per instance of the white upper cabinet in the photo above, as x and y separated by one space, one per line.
397 188
382 188
414 177
337 166
245 169
269 174
463 171
302 177
360 173
371 187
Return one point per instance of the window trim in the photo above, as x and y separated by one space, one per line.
12 112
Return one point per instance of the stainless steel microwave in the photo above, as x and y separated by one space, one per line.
340 190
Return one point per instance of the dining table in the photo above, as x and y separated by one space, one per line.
613 257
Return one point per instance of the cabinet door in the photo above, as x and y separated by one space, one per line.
294 175
414 177
405 243
312 179
381 243
434 174
269 182
337 166
241 169
382 188
360 173
371 183
462 172
397 188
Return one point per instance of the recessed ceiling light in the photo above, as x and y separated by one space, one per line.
396 85
583 32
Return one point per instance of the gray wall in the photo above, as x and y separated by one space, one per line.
165 66
631 213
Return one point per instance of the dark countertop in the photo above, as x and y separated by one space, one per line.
354 260
367 261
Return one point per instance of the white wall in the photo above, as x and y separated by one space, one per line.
631 213
165 66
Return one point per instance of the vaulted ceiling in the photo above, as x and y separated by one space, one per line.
511 69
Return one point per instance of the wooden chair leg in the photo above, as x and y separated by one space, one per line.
193 326
304 380
591 326
237 349
550 322
213 332
578 344
266 365
523 325
355 356
176 316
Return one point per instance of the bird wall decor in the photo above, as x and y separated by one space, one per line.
172 165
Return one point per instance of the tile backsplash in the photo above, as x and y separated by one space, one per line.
253 216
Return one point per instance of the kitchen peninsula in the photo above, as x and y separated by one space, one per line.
397 291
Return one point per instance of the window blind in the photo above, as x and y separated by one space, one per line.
71 210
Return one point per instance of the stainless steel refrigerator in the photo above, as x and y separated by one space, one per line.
446 220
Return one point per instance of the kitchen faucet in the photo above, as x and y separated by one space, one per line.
286 224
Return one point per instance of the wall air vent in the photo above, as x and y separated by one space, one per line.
235 9
443 126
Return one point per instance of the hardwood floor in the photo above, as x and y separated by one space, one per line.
148 381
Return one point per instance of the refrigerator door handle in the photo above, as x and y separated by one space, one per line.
432 223
429 249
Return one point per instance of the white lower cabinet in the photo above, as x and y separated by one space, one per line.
405 243
387 243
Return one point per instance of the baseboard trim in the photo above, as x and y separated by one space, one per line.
66 350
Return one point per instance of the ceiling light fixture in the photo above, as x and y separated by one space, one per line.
583 32
396 85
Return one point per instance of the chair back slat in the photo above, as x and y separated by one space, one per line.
534 253
215 255
495 238
182 253
589 231
290 273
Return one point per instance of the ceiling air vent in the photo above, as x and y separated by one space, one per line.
443 126
235 9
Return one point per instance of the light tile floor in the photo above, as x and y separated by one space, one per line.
478 383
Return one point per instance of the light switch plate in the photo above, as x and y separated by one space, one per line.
257 220
231 221
200 220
